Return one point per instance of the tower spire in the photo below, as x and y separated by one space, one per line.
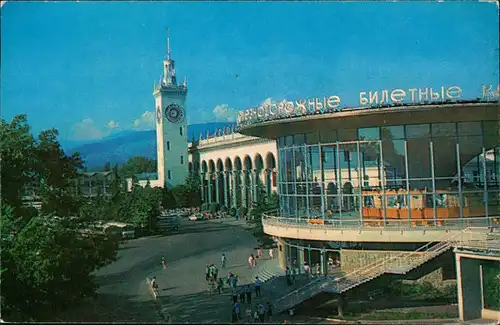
168 45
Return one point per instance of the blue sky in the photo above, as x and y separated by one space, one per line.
88 68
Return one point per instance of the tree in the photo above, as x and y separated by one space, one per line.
137 165
263 204
48 262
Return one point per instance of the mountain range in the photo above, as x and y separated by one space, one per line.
118 148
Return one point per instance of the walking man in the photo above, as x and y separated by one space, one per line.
163 262
271 256
257 286
223 261
248 293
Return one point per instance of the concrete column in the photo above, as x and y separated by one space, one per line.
209 188
469 288
282 253
300 259
225 175
234 176
243 188
202 192
323 265
254 181
217 189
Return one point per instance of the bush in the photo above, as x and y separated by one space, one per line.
232 212
214 207
242 211
223 208
204 207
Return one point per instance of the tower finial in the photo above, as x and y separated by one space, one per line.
168 45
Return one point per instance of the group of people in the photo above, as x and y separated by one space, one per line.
260 313
252 259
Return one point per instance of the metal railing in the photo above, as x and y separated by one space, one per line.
273 218
374 270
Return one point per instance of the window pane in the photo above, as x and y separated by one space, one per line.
419 158
392 132
329 162
299 139
394 162
471 160
370 169
328 136
469 128
369 134
417 131
444 130
312 138
348 135
445 161
491 127
289 140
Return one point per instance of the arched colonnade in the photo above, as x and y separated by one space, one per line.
236 181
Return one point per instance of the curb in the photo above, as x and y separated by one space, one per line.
413 321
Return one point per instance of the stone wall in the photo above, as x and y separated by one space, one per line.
352 260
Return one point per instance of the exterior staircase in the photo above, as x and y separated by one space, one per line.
399 264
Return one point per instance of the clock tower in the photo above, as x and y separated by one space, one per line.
171 125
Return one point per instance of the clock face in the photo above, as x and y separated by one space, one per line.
158 114
174 113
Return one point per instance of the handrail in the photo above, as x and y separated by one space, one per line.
443 245
401 224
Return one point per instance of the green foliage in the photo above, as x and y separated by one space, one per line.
214 207
48 264
232 212
491 276
204 207
424 290
181 195
223 208
138 165
242 211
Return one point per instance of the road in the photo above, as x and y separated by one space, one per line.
124 295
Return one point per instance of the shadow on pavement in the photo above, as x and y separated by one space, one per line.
113 308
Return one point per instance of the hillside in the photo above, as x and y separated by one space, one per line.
118 148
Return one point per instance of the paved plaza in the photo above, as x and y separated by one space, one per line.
124 295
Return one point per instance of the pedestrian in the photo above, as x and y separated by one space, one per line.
207 272
288 275
242 295
212 286
262 312
163 262
154 285
257 286
234 316
215 272
234 295
237 311
248 293
235 280
254 261
318 269
294 273
220 285
256 314
223 261
307 269
248 312
271 256
250 261
269 311
259 253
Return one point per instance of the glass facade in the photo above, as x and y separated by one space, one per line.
423 173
